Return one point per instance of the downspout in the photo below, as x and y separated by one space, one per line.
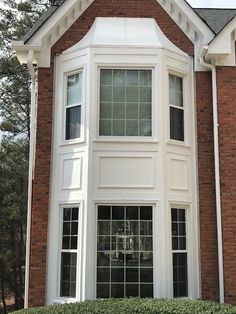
217 172
31 170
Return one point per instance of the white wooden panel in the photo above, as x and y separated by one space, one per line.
71 173
178 174
126 172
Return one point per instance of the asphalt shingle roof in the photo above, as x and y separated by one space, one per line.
216 19
44 17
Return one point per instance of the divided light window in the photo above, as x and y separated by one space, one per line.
179 253
176 108
73 106
69 252
124 252
125 102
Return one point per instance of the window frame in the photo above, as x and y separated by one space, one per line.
77 251
66 75
183 77
115 138
154 244
189 249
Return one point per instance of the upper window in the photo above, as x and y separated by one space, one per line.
176 108
125 102
73 106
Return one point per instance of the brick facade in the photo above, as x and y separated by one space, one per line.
40 202
226 82
206 177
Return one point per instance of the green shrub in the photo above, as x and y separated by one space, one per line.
132 306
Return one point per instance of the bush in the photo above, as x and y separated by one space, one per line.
131 306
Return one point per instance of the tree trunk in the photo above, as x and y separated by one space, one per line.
3 294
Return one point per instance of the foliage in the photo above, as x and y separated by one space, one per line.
141 306
13 199
16 18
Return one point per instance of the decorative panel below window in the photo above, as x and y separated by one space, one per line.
124 252
125 102
69 252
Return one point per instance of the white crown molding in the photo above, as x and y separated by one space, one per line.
70 10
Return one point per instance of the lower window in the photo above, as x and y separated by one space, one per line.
179 253
124 252
69 252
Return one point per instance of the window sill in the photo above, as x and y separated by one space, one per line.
177 143
148 140
72 142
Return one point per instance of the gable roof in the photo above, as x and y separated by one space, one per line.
216 19
57 20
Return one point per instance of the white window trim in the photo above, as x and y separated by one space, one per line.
191 249
78 251
123 139
80 139
184 77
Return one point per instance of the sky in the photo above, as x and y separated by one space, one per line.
213 3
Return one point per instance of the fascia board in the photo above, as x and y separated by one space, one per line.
51 23
207 32
176 7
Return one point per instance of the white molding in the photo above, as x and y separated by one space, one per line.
221 50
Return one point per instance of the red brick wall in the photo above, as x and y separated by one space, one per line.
40 202
208 231
39 221
226 81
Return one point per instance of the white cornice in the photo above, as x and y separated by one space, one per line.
70 10
221 51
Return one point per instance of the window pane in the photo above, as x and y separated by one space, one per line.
73 122
105 127
74 83
132 94
176 90
145 128
68 274
145 94
125 103
132 111
106 77
132 127
106 110
118 77
119 111
132 77
105 94
145 78
119 127
176 124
